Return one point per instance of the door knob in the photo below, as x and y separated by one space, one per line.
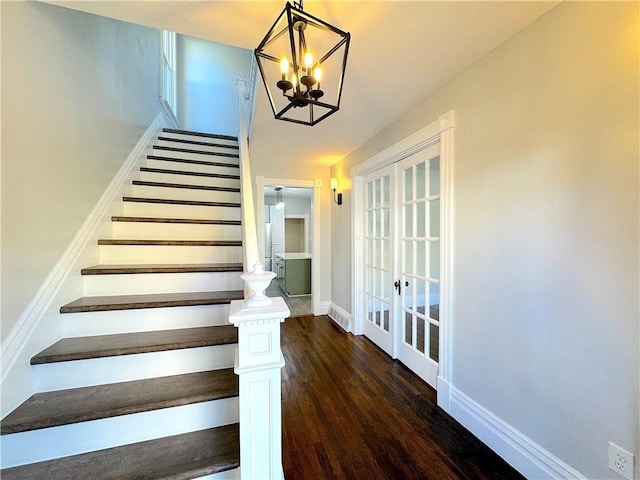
398 285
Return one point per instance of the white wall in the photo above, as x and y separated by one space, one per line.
546 281
206 84
78 91
297 206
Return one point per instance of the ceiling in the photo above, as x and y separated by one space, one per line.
400 53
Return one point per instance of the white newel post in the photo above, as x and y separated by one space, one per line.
258 363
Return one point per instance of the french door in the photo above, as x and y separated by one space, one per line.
402 261
418 321
379 261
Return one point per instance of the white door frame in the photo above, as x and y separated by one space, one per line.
441 131
315 184
168 68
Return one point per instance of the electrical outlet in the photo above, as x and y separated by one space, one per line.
621 461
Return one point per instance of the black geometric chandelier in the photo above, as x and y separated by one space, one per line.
302 61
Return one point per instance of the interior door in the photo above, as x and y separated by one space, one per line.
418 323
378 281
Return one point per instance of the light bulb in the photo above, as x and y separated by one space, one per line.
294 80
284 65
308 59
317 74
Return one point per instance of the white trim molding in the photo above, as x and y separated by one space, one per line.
415 142
318 307
20 335
525 455
446 124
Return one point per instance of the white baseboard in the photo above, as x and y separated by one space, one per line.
13 348
525 455
321 308
341 317
444 394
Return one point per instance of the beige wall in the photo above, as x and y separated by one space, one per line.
78 91
294 235
546 303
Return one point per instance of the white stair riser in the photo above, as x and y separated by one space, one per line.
137 284
98 371
184 194
189 179
195 156
198 138
143 320
56 442
196 167
143 254
175 231
161 210
202 148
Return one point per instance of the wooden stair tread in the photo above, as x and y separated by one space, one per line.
198 152
196 142
64 407
99 346
193 174
145 183
186 456
196 221
162 268
199 134
181 202
150 300
181 243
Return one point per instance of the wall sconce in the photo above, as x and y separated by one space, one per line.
334 187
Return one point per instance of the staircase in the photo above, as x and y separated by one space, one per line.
142 385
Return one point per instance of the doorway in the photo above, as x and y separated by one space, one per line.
402 251
287 214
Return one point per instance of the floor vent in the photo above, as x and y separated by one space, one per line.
340 317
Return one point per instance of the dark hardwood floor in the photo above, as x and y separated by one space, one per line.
351 412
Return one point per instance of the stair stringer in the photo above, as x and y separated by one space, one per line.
40 324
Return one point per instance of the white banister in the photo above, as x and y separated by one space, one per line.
249 231
258 356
